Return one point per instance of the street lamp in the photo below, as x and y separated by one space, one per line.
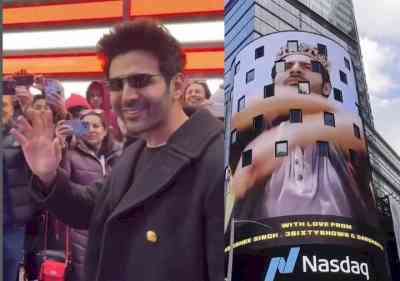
232 240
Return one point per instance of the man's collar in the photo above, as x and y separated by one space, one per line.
193 137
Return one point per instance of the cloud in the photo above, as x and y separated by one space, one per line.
381 67
386 114
378 19
381 64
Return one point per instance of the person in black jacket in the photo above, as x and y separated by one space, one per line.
18 206
159 216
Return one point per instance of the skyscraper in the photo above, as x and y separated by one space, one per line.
248 20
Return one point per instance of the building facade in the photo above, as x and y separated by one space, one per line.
248 20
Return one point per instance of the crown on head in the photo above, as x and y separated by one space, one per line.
306 50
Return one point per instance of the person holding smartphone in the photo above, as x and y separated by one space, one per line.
88 160
160 214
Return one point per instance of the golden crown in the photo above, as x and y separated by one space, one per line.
306 50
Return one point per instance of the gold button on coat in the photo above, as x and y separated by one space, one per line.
151 236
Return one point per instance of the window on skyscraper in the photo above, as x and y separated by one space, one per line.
304 88
347 63
250 75
259 52
322 49
343 76
237 67
329 119
316 66
246 158
234 136
338 94
295 116
280 66
281 148
323 148
293 45
241 103
258 124
357 131
269 91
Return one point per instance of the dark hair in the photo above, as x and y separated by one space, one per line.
147 35
38 97
201 83
324 72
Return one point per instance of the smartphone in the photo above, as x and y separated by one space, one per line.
9 87
24 80
52 87
79 127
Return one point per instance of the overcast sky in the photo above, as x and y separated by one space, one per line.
379 29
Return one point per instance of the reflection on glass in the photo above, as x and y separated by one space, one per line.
293 45
281 148
304 88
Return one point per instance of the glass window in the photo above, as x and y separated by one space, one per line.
304 88
280 66
316 66
241 103
250 75
295 116
343 76
338 94
323 148
322 49
329 119
269 91
258 123
246 158
353 156
347 63
237 67
234 137
281 148
293 45
259 52
357 131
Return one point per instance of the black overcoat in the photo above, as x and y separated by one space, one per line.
168 226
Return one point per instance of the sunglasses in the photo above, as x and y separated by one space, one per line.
137 81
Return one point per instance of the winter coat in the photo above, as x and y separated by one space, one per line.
82 166
19 206
168 226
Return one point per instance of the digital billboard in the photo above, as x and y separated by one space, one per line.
298 165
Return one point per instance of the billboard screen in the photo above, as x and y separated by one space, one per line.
298 163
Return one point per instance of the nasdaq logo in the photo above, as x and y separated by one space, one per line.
314 264
278 264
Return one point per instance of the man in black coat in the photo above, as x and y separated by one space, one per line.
159 216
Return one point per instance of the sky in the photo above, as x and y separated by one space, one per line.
378 27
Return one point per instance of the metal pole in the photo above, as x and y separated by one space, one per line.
231 241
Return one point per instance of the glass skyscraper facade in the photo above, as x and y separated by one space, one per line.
247 20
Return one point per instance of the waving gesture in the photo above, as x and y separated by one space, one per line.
41 149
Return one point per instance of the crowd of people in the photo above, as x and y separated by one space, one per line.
143 135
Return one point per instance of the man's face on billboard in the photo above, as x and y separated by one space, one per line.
298 68
144 105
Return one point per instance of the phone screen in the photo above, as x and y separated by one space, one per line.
79 127
9 87
24 80
51 87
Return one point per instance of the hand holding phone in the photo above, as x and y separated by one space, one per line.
9 87
79 127
24 80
